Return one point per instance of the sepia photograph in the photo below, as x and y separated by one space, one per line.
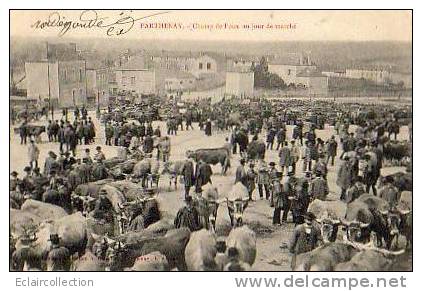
211 140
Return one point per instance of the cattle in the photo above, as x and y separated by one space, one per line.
404 218
324 258
91 189
153 262
172 245
367 260
244 240
200 251
237 201
402 181
328 214
397 150
116 198
174 169
369 213
43 210
88 263
212 156
256 150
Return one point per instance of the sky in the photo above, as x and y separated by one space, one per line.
251 25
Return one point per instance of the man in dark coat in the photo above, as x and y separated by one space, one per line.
241 173
188 175
208 128
331 150
148 144
203 175
187 216
306 237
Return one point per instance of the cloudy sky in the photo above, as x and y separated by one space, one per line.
259 25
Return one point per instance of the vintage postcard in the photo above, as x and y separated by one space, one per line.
210 140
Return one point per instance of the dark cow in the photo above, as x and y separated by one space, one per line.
368 260
328 215
397 150
212 156
172 246
402 181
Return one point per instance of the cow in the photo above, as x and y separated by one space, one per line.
396 150
43 210
153 262
402 181
212 156
244 240
367 260
172 246
174 169
401 218
21 220
370 213
201 251
237 201
324 258
88 263
328 215
91 189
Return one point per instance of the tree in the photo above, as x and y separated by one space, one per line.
265 79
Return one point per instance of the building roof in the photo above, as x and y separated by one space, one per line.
135 63
241 69
310 73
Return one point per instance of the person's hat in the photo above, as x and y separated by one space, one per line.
279 174
52 154
271 164
389 179
290 173
242 160
27 169
308 174
36 170
309 216
318 172
98 148
292 141
14 174
67 154
188 199
54 238
251 164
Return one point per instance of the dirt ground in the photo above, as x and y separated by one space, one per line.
258 215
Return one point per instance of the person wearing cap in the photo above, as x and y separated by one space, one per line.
345 176
370 173
263 180
318 187
277 197
203 173
331 150
294 155
270 138
305 238
281 137
188 173
33 154
298 133
58 258
251 179
22 258
187 216
388 191
27 185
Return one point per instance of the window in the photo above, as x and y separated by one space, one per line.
80 75
65 75
181 82
200 66
132 80
208 66
289 72
186 67
168 66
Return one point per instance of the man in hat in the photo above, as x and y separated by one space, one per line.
99 156
188 175
388 191
356 190
58 258
250 179
294 155
321 167
208 127
148 146
331 149
318 187
288 190
241 173
27 185
344 176
284 155
187 216
305 238
50 163
203 174
33 154
24 258
263 180
277 197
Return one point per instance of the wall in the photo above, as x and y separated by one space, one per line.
315 85
239 84
171 84
37 80
205 61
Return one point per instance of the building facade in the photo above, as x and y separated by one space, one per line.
135 81
62 82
